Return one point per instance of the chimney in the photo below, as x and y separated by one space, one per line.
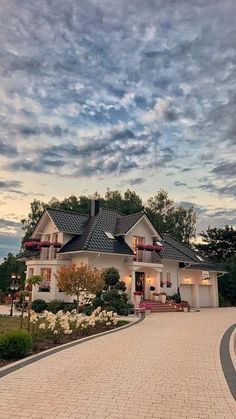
95 206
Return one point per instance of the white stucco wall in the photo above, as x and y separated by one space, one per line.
172 268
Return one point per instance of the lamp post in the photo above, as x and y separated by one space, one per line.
13 287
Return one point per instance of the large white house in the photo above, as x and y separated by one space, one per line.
106 238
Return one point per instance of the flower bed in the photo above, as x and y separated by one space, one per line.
49 330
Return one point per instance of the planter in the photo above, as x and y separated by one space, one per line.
137 298
163 299
185 309
156 298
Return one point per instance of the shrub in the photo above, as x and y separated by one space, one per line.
55 305
111 276
39 306
15 344
71 306
88 310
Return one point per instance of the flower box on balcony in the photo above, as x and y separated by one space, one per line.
57 245
150 247
32 245
45 243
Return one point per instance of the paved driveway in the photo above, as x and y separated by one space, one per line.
164 367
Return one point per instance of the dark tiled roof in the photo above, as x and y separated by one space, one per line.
27 254
172 253
181 252
208 265
94 238
125 223
68 221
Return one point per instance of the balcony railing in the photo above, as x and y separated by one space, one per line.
145 257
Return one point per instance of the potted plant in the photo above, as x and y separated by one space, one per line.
152 289
146 306
156 297
163 297
162 283
137 296
168 283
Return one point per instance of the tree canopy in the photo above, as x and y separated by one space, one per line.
9 267
165 215
219 244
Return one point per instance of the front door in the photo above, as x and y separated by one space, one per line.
140 282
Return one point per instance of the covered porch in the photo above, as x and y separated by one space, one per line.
143 276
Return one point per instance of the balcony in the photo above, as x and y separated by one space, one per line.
144 258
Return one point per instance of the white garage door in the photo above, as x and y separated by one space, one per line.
204 296
186 293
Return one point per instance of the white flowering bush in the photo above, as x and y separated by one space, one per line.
59 325
85 297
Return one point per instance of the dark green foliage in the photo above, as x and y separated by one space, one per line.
55 305
70 307
39 305
9 266
227 282
113 296
15 344
120 286
175 298
111 276
88 310
219 244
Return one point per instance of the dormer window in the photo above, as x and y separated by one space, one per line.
109 235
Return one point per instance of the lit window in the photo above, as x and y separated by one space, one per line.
109 235
45 284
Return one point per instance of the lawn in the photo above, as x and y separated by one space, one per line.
10 323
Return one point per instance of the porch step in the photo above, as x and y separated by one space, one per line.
158 307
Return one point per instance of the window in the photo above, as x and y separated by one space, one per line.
109 235
138 252
168 280
45 252
45 284
53 249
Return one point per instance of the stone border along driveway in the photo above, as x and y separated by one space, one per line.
167 367
227 361
8 369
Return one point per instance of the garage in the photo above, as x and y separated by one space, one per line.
204 296
186 293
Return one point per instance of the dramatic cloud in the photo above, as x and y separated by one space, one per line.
94 91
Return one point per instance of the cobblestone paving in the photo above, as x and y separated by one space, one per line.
164 367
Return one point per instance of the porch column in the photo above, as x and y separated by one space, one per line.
214 293
132 285
196 296
158 285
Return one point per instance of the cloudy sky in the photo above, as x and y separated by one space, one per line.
101 93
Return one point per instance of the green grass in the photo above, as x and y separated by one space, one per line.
10 323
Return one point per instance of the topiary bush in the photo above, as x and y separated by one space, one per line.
113 296
71 306
39 305
56 305
15 344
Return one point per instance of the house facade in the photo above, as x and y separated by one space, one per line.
130 243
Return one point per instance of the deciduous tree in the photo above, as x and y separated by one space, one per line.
72 279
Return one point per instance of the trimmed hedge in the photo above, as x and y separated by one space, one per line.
39 306
15 344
